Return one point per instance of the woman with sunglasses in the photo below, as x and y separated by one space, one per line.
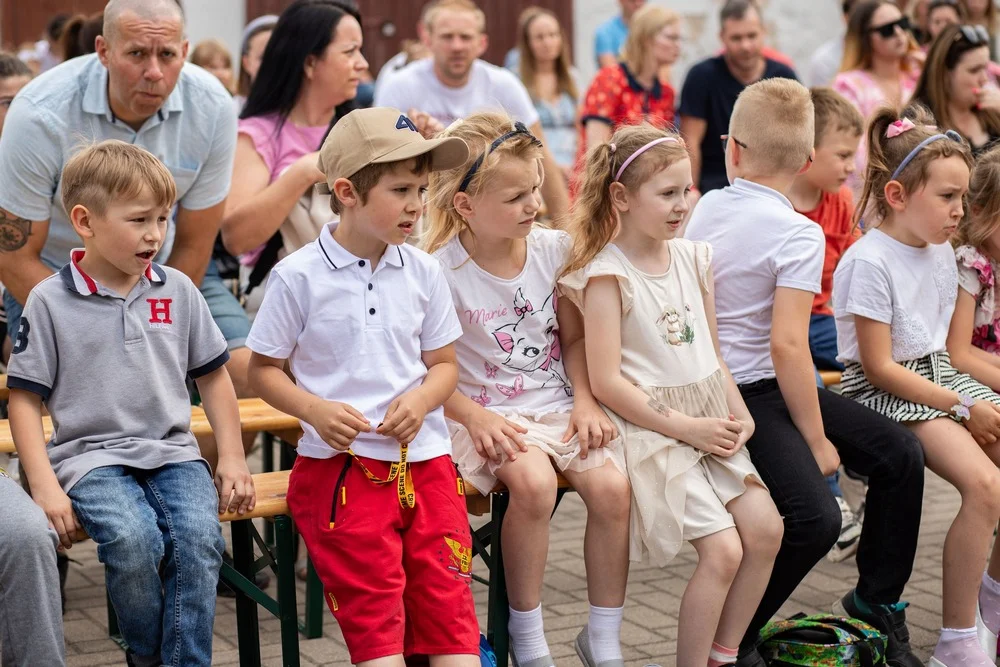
954 86
879 67
940 15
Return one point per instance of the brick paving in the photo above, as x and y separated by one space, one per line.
648 634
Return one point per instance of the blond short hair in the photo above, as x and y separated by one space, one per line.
642 28
111 171
775 118
455 6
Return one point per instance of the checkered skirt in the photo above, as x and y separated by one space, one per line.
935 367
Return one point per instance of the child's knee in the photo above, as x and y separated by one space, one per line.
723 555
534 490
200 538
983 491
610 494
764 537
133 549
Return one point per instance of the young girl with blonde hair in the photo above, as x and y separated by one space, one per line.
523 407
894 297
654 361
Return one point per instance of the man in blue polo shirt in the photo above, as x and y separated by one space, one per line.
136 88
609 38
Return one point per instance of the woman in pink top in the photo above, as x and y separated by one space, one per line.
880 64
312 64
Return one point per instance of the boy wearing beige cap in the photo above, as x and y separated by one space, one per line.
367 326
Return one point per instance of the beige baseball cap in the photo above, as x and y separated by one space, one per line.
379 135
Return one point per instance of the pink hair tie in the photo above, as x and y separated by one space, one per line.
899 127
639 152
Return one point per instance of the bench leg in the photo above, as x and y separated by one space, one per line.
247 629
498 610
315 604
287 610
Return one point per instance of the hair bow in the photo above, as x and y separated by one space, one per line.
899 127
521 311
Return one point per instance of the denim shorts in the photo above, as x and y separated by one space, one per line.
226 310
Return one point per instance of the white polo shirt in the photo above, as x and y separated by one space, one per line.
355 335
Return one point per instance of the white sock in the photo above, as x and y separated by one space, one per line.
955 634
527 635
604 629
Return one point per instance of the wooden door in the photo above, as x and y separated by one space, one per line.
25 20
388 22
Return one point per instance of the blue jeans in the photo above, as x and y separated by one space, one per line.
823 342
158 535
226 310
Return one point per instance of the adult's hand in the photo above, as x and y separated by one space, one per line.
426 124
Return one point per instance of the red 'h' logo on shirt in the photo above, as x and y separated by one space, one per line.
159 311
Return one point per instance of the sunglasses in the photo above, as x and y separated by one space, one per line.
887 30
973 34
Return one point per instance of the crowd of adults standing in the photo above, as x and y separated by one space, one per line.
242 150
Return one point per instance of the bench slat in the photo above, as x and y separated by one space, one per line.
255 415
4 392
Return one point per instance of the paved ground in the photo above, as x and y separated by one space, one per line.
650 627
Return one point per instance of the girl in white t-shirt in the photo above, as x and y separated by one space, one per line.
523 407
653 354
894 294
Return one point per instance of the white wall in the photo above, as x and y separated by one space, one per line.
219 19
796 27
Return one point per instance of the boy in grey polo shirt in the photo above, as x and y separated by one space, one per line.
107 344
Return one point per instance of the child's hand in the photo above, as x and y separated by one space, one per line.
592 425
494 436
826 455
234 483
715 436
59 510
983 423
337 423
748 428
404 418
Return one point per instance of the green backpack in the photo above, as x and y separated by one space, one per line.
822 640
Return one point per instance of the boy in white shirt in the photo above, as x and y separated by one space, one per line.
768 263
367 326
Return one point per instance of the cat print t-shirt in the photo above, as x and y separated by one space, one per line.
509 356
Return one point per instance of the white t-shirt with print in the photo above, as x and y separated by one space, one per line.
913 290
509 355
760 244
489 88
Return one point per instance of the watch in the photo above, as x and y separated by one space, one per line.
961 409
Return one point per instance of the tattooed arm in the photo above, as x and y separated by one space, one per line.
21 243
602 323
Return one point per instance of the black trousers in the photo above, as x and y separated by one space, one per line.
869 444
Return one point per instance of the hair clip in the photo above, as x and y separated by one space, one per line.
899 127
613 148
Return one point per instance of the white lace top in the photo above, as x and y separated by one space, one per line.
911 289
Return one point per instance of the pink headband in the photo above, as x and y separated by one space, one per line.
633 156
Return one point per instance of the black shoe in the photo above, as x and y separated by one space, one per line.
891 623
751 659
262 580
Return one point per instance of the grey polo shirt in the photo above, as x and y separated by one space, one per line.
112 370
66 108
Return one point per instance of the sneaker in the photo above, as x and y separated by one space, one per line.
889 621
544 661
582 646
262 580
850 534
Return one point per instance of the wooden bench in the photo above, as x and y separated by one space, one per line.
4 391
830 378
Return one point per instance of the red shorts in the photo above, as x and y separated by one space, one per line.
397 580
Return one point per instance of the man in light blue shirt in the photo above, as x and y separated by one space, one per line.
136 88
609 38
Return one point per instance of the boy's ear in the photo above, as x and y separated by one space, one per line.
619 197
82 220
344 191
809 162
895 195
463 205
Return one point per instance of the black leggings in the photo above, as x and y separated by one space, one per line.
869 444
